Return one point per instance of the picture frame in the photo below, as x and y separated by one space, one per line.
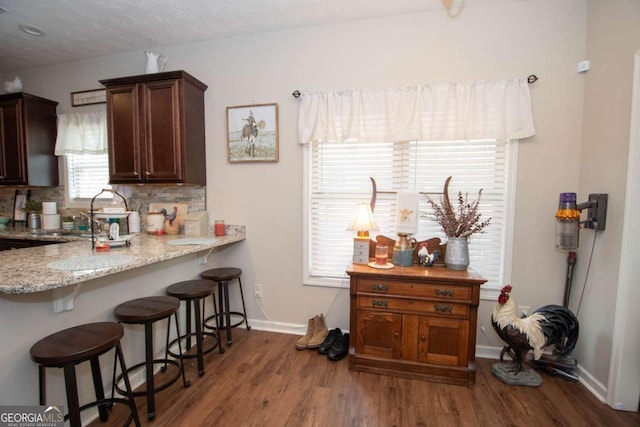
18 205
88 97
252 133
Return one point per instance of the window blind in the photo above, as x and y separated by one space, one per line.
339 178
87 175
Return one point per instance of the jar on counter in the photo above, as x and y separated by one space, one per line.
218 227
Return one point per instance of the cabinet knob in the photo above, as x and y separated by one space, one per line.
380 303
147 173
376 287
423 338
396 335
136 174
444 292
441 308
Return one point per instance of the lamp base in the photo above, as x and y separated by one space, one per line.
360 250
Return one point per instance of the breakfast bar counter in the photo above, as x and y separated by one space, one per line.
43 268
45 289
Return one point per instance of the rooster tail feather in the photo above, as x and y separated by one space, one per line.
560 327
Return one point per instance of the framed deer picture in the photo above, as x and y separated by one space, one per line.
252 133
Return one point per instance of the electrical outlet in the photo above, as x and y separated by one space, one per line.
524 310
258 290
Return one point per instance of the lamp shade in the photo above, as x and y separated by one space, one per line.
363 220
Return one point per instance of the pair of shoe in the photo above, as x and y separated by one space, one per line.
335 345
316 333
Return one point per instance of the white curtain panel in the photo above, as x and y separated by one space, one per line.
82 133
430 112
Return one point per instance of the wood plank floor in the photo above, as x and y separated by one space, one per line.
262 380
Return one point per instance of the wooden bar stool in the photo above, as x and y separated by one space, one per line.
195 292
146 311
66 349
222 277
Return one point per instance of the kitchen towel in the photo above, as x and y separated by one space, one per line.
407 212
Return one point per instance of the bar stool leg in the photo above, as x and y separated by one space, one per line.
43 385
151 401
185 383
127 384
196 306
244 309
215 315
225 292
97 385
71 386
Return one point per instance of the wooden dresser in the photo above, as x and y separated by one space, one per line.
414 322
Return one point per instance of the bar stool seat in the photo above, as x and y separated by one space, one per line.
194 292
222 276
66 349
146 311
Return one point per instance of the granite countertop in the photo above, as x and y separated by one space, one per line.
42 268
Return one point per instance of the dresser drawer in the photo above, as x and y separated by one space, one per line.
421 306
424 290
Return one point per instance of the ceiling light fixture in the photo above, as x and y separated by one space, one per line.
3 9
30 29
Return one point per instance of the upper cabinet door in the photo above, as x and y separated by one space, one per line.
27 140
164 145
125 133
12 164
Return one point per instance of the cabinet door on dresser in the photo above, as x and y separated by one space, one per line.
379 334
443 341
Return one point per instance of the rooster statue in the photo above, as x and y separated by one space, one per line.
170 216
548 325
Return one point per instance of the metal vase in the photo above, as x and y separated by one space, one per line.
33 220
457 254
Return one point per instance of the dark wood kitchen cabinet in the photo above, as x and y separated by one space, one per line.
27 140
156 128
414 322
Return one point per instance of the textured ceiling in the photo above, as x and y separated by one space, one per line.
77 29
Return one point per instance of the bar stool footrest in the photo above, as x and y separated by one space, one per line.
157 388
205 350
221 317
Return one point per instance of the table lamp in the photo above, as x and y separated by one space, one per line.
362 222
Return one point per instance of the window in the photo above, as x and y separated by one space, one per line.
410 138
82 140
86 176
338 177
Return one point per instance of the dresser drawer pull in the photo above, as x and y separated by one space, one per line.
441 308
444 292
379 288
380 303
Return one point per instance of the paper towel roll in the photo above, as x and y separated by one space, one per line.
49 208
50 222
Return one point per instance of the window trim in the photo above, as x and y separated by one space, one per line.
486 293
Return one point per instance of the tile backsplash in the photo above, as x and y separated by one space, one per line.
137 196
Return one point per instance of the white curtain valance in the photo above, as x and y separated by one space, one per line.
82 133
429 112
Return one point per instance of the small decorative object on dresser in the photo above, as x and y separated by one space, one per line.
458 224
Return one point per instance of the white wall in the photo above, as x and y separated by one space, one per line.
613 39
542 37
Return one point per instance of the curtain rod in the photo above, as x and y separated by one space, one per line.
531 79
